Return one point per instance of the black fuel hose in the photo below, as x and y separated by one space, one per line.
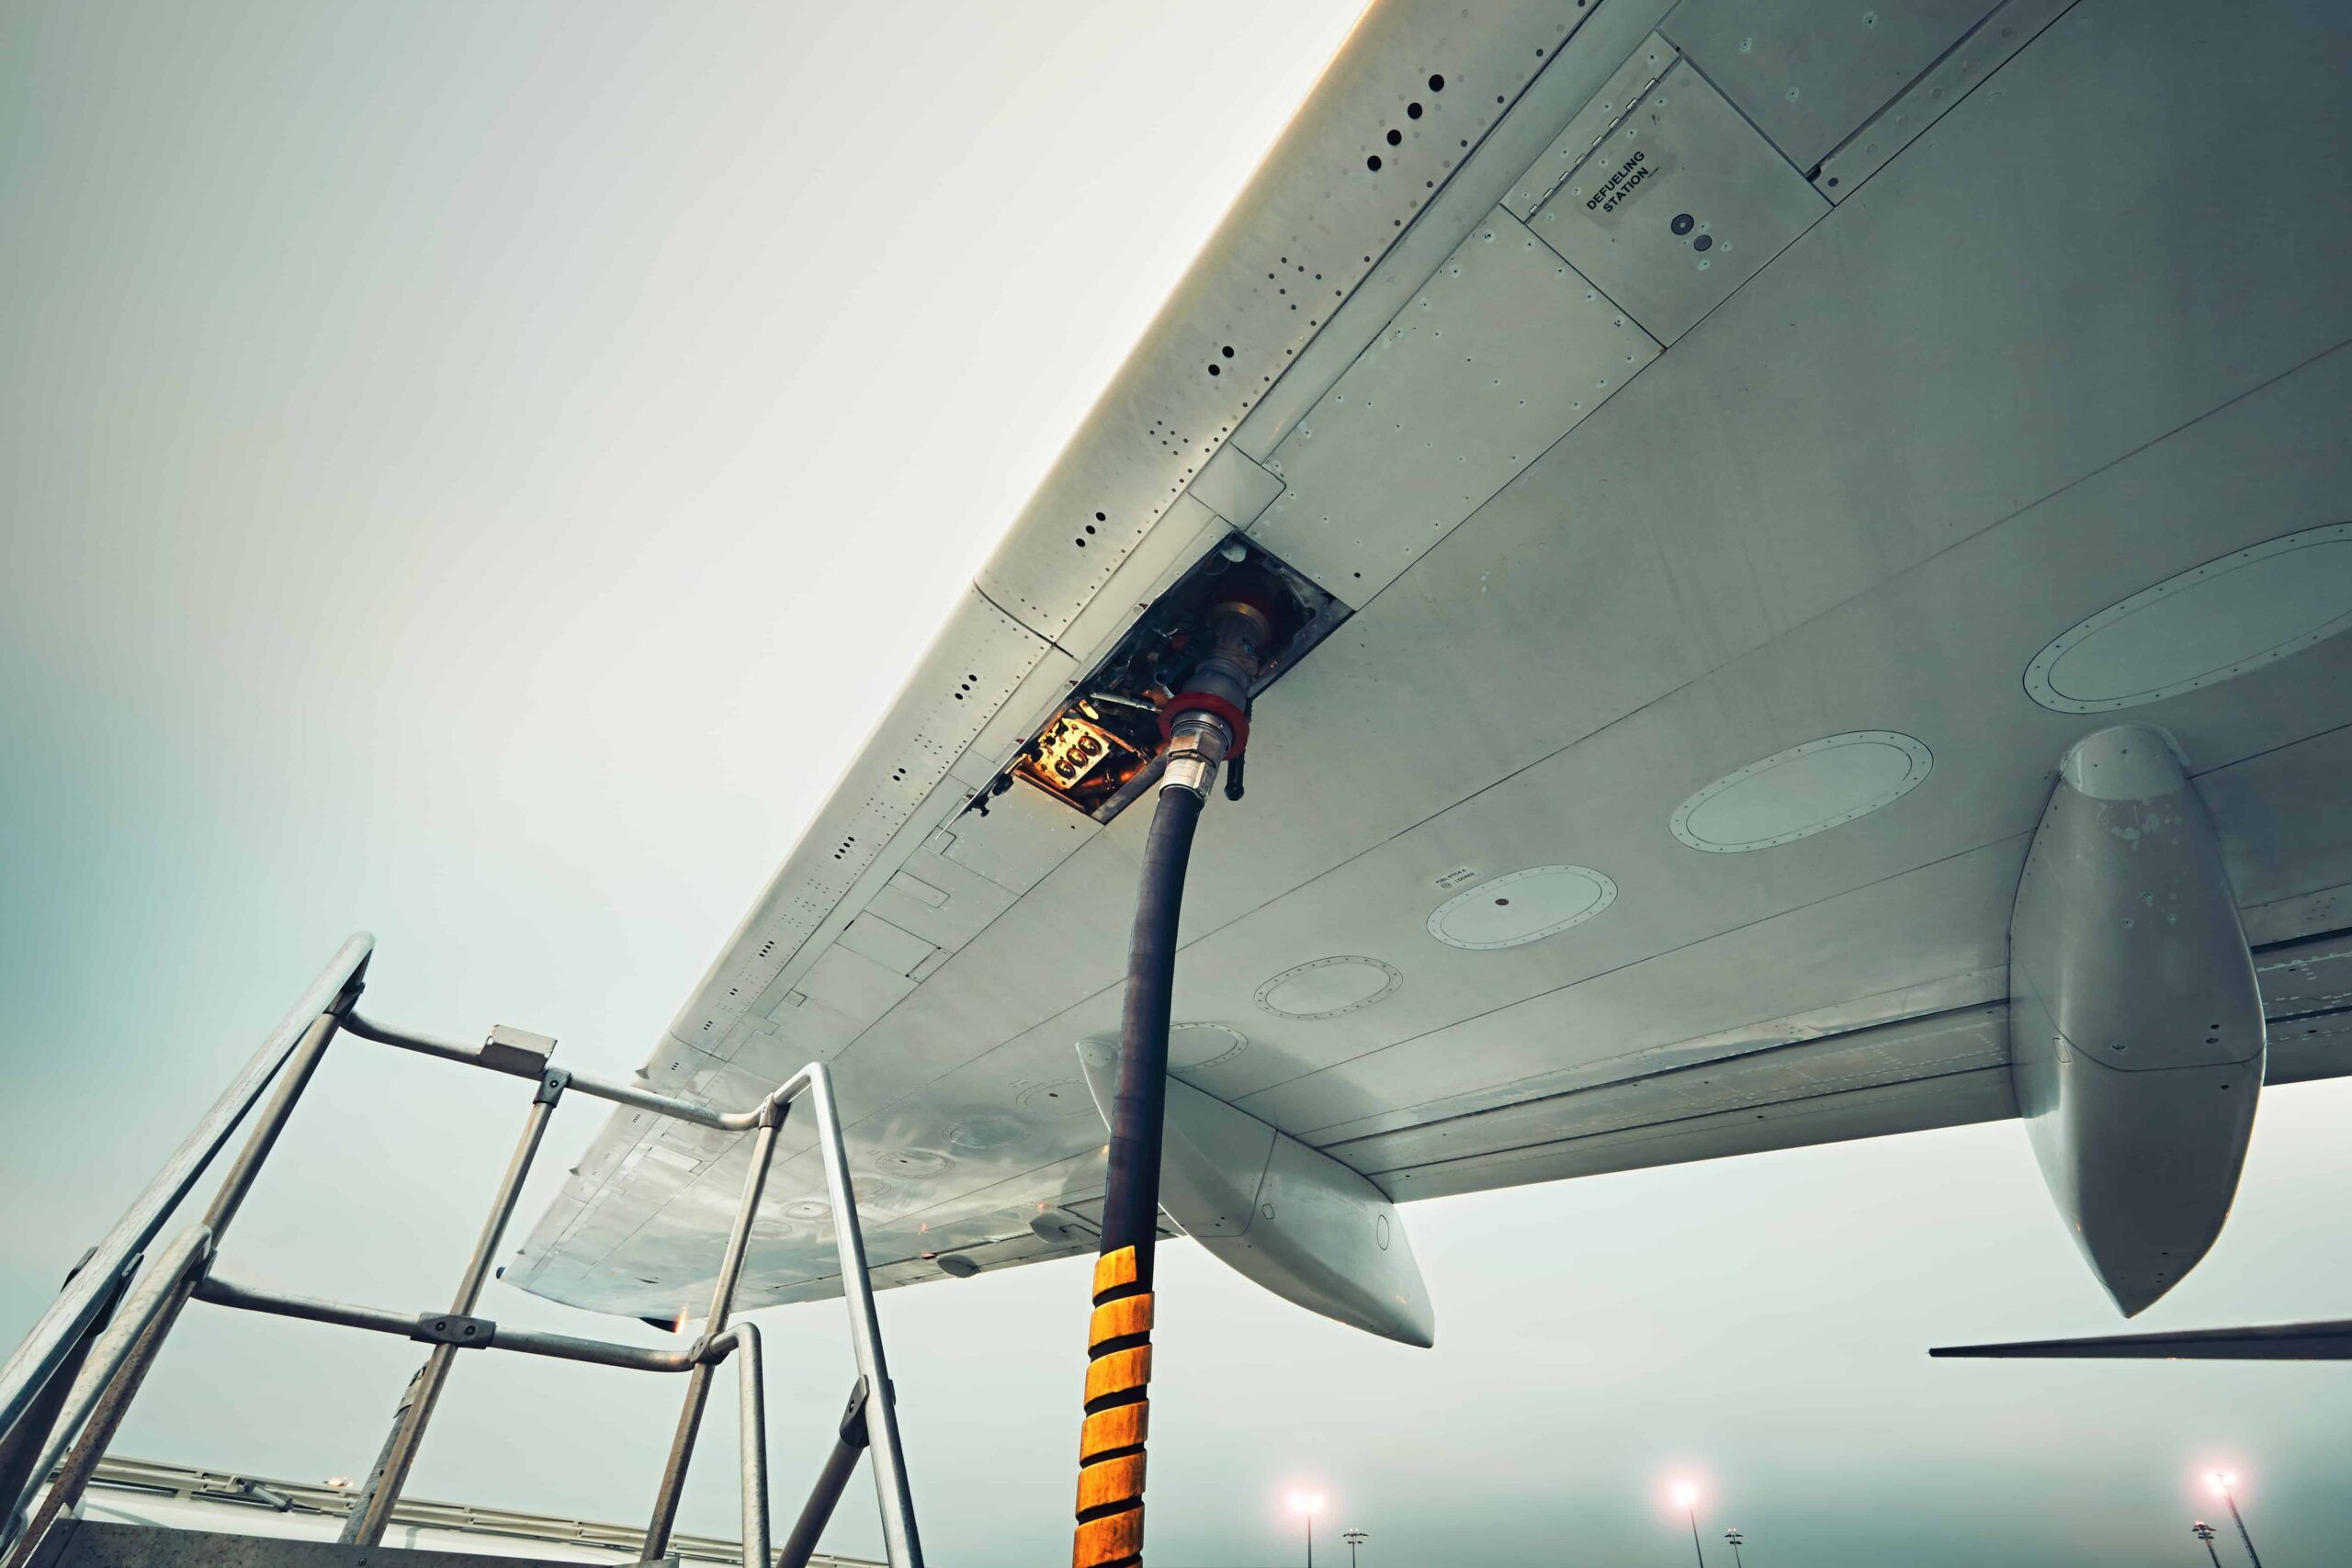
1118 1333
1131 1201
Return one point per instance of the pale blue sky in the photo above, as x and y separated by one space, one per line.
476 472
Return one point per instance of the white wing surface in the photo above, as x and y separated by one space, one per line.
1726 427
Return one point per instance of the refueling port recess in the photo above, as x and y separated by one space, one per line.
1101 750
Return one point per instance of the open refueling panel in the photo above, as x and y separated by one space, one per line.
1103 749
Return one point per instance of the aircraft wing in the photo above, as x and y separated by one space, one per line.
2322 1341
1716 581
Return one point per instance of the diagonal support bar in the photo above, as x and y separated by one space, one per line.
901 1543
722 1298
107 1400
849 1446
45 1349
373 1510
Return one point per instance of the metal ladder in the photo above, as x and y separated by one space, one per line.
65 1390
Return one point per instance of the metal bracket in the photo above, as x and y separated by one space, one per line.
552 1083
852 1426
246 1486
454 1329
516 1051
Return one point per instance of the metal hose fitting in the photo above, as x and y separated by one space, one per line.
1196 744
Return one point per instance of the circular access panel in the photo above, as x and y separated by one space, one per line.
1802 791
1328 988
987 1131
1064 1097
1192 1046
1524 907
912 1164
2222 619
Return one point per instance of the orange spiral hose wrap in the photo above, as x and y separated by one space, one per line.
1118 1416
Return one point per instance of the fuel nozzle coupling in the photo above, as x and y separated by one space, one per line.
1197 741
1208 722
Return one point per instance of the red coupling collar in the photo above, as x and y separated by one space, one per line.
1207 702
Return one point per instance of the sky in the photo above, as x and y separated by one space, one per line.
476 472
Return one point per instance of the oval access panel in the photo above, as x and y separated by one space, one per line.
2224 619
1524 907
1063 1097
987 1131
1192 1046
1328 988
911 1164
1802 791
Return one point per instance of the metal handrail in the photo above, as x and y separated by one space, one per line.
585 1083
220 1290
751 1385
891 1489
147 1302
75 1430
69 1317
187 1256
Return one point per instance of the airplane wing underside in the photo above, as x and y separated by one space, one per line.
1749 450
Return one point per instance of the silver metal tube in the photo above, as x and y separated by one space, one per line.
82 1459
1196 744
107 1413
590 1084
672 1486
722 1296
424 1045
44 1350
501 1210
751 1384
849 1444
21 1451
373 1511
264 1138
738 1238
156 1290
220 1290
668 1105
900 1541
598 1353
834 1480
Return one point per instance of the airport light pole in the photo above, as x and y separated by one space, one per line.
1354 1539
1738 1539
2205 1533
1309 1504
2222 1482
1686 1495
